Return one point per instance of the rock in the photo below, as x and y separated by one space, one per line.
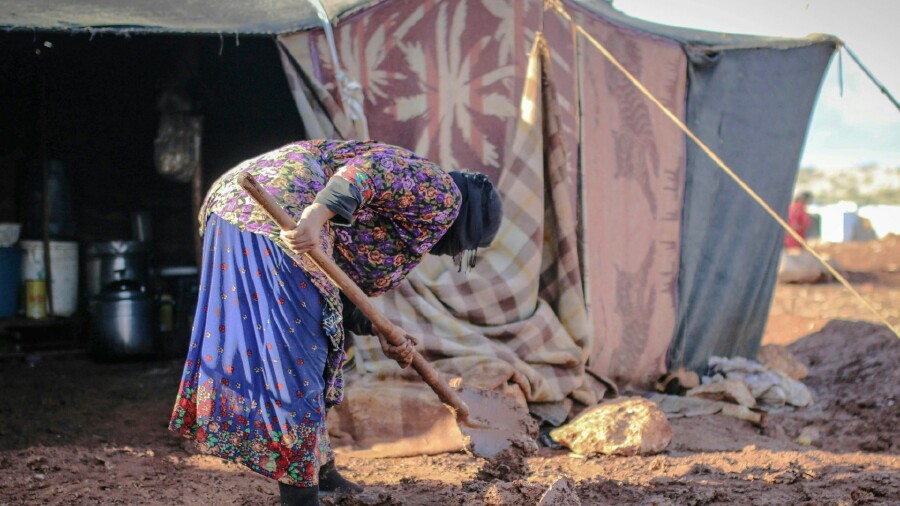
729 391
778 358
809 436
36 463
561 493
625 426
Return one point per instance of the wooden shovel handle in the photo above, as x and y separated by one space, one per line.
392 333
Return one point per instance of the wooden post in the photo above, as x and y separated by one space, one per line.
45 190
197 195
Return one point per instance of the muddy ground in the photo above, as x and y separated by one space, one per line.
77 432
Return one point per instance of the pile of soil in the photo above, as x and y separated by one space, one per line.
874 270
854 373
77 432
869 256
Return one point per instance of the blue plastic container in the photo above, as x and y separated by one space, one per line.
10 280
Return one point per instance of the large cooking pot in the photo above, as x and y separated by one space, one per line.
124 321
113 261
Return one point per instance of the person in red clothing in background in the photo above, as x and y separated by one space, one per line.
798 219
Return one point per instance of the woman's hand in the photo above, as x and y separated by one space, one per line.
404 353
308 233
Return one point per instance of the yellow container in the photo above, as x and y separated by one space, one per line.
166 313
35 298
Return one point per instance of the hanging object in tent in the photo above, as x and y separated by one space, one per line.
176 152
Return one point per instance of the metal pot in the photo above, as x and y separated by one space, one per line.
112 261
124 321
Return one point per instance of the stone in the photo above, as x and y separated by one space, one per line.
777 358
809 436
561 493
728 390
625 426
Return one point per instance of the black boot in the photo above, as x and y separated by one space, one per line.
298 496
330 480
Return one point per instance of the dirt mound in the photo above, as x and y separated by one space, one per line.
872 267
854 370
510 464
869 256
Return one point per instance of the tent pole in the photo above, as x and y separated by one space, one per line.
196 202
45 185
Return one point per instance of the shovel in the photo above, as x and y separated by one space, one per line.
497 421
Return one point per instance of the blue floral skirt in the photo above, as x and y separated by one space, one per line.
253 384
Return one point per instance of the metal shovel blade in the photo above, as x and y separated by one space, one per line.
496 422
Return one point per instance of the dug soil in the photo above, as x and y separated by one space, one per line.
77 432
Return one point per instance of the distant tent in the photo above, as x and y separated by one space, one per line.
626 250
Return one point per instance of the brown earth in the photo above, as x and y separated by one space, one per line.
873 268
76 432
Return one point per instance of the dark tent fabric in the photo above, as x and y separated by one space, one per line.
172 16
249 17
752 107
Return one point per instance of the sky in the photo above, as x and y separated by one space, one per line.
860 128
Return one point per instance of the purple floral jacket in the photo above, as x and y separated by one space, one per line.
408 205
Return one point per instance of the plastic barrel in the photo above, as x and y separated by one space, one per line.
10 279
64 260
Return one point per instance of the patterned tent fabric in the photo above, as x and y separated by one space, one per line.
455 81
633 216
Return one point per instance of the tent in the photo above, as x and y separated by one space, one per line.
625 250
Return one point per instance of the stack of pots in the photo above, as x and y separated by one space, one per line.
123 312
